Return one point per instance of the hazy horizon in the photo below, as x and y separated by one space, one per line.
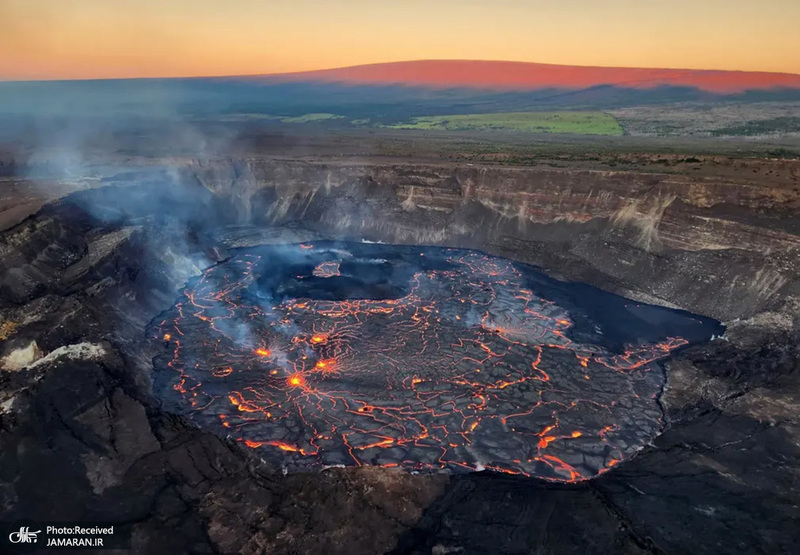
326 69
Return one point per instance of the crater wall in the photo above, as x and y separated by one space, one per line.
722 247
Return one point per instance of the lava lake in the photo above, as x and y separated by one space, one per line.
425 358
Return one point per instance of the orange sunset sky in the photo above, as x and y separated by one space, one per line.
57 39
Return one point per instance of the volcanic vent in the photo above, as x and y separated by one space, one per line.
424 358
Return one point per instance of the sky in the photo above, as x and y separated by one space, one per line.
79 39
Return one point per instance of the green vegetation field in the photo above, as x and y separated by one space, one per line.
305 118
584 123
310 118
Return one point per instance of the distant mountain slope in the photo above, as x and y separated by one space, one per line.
531 76
399 94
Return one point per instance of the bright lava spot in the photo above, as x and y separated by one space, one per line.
326 364
546 440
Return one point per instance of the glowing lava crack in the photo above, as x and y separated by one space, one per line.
460 367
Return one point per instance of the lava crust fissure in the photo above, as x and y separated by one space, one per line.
424 358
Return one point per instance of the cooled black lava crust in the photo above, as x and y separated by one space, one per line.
426 358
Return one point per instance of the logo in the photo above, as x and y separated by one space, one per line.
24 535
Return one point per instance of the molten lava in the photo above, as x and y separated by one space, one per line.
467 369
327 269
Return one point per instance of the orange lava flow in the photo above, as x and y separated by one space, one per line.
469 369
